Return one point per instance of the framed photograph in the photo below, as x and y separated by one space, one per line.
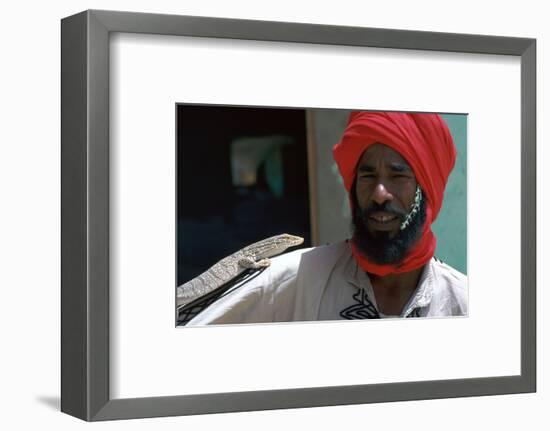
186 140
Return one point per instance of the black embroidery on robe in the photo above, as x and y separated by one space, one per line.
414 313
362 309
188 311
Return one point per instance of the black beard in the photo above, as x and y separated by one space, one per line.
379 248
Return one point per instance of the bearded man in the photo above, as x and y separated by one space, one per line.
395 168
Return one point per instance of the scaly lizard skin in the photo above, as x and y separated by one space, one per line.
252 256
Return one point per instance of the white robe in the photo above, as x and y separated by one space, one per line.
325 283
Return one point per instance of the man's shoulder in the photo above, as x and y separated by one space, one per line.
287 263
327 252
322 254
451 275
303 262
450 287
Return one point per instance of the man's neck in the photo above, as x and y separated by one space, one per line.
393 291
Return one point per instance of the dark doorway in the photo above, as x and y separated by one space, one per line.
241 177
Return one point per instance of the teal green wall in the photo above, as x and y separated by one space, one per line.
450 227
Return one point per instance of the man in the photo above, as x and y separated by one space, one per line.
395 167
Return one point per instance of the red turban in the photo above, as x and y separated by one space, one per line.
425 142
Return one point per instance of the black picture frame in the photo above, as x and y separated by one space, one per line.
85 214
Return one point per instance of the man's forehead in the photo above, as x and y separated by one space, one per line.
381 153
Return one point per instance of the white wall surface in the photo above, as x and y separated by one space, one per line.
30 215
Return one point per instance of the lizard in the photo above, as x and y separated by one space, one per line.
253 256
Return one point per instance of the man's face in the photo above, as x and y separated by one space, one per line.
384 194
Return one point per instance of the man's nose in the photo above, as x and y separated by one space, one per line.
381 194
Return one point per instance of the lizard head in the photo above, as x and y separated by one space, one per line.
292 240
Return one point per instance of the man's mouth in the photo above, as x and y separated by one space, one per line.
383 218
